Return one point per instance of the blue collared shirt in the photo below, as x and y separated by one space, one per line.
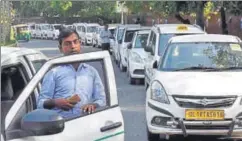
64 81
105 35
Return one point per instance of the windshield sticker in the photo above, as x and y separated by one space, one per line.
235 47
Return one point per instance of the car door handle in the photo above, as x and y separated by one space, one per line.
111 126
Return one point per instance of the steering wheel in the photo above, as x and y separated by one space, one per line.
183 64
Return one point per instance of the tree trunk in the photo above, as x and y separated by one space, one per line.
199 14
223 21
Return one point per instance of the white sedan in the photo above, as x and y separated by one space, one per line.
136 56
196 89
23 122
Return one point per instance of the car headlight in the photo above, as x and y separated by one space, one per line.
158 93
136 58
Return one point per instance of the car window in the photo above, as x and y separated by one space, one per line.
129 36
215 55
141 40
38 64
163 40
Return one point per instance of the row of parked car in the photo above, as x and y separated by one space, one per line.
191 78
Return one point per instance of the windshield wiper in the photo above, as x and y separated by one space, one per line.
231 68
197 68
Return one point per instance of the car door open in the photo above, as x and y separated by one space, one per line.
105 123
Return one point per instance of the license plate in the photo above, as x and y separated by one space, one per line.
204 114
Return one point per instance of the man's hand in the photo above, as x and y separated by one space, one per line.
63 104
90 108
74 99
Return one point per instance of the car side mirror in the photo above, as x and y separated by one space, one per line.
43 122
129 45
120 41
147 48
155 65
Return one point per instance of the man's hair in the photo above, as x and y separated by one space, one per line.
66 32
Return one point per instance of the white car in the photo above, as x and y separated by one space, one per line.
136 56
196 88
23 122
97 42
53 31
157 40
126 39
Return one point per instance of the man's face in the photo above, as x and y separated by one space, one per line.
71 45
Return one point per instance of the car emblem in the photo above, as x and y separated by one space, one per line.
207 122
204 102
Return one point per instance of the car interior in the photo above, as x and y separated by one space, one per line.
13 82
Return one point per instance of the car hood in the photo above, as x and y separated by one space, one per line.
201 83
140 51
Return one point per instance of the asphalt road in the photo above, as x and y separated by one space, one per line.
131 97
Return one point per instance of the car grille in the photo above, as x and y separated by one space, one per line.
204 101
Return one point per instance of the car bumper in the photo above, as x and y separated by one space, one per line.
174 122
136 70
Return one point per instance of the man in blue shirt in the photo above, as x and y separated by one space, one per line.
105 35
78 81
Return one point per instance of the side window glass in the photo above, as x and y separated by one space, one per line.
38 64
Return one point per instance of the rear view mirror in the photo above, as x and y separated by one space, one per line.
129 45
43 122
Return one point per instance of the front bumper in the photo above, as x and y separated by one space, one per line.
178 126
173 120
136 70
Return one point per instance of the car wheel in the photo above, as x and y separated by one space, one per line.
131 80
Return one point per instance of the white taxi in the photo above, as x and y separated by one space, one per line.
23 122
136 56
196 89
157 40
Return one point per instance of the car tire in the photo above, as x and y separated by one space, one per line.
122 68
151 136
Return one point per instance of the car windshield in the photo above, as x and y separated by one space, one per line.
91 29
129 35
164 38
79 28
141 40
201 56
45 27
57 27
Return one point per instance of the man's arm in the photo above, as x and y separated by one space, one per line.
99 94
45 99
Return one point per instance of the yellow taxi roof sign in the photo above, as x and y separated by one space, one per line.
182 28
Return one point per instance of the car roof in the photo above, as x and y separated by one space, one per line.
138 28
8 53
205 38
175 28
143 31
